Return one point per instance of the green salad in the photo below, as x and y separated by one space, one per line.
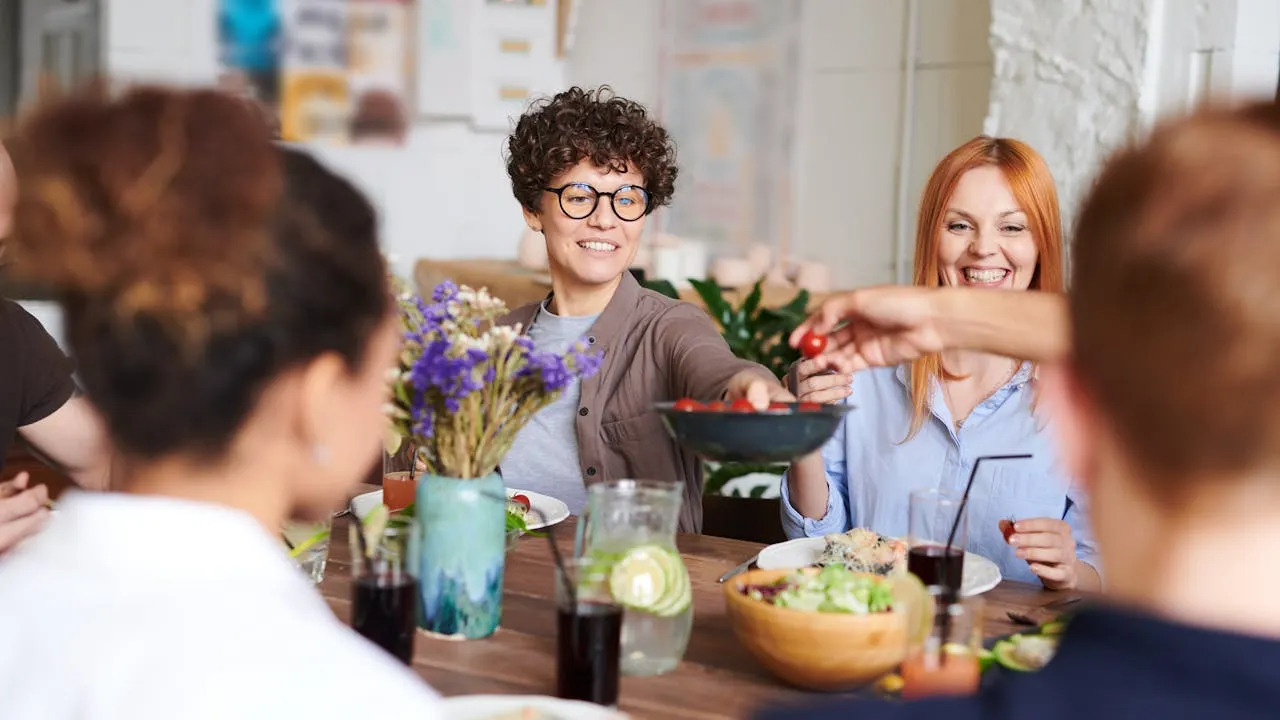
833 589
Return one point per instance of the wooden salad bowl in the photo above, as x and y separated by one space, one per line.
814 650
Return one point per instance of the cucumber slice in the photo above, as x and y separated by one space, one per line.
640 578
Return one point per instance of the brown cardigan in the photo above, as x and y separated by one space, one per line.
655 349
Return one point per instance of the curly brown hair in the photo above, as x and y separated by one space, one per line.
196 261
597 125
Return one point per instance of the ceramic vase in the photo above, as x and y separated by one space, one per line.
462 526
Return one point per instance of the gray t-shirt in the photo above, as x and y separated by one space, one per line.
544 456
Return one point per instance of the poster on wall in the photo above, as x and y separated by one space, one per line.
331 71
728 96
514 59
250 40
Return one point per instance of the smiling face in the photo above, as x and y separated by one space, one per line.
597 249
985 240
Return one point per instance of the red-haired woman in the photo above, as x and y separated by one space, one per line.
989 219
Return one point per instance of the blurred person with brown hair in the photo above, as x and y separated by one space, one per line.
988 219
589 168
1160 371
40 403
228 305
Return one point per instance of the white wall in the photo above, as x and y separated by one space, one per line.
1076 80
445 194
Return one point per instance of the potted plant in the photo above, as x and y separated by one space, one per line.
759 334
464 388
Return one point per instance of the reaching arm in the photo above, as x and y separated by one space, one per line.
704 368
889 325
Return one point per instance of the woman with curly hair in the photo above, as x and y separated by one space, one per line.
588 168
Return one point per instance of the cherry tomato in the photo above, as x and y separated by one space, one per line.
779 406
742 405
810 406
522 499
812 344
1006 529
687 405
715 406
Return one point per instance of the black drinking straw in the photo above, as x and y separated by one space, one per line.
948 594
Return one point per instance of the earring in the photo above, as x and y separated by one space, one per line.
320 454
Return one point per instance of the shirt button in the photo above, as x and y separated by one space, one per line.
591 339
582 411
591 471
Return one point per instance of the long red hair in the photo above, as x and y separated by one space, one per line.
1032 185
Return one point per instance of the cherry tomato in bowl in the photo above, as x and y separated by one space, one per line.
812 344
522 500
688 405
742 405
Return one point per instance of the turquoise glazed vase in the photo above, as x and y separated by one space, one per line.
462 526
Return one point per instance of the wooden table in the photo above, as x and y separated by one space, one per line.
717 679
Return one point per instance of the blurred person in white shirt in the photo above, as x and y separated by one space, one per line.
228 307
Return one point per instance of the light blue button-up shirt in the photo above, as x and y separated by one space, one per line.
871 472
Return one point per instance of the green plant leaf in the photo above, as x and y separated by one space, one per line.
758 491
752 303
718 478
663 287
713 298
799 305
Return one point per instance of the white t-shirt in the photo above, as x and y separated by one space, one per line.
147 608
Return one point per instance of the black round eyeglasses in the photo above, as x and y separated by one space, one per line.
579 200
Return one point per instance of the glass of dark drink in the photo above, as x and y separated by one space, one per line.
588 634
929 556
384 596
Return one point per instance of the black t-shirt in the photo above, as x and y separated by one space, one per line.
1111 664
35 376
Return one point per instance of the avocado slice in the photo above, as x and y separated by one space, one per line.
1053 628
1003 652
985 659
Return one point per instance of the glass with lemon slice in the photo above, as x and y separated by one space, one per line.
944 649
308 544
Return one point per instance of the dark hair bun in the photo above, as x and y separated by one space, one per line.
156 203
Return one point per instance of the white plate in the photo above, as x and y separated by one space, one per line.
980 574
487 707
552 509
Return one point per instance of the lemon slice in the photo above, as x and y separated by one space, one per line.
305 545
373 525
639 578
917 603
391 443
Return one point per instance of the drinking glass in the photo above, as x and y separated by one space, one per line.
399 477
308 544
931 516
588 634
384 596
946 662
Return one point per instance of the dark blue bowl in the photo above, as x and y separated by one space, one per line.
768 436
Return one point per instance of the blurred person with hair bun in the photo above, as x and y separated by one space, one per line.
228 306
